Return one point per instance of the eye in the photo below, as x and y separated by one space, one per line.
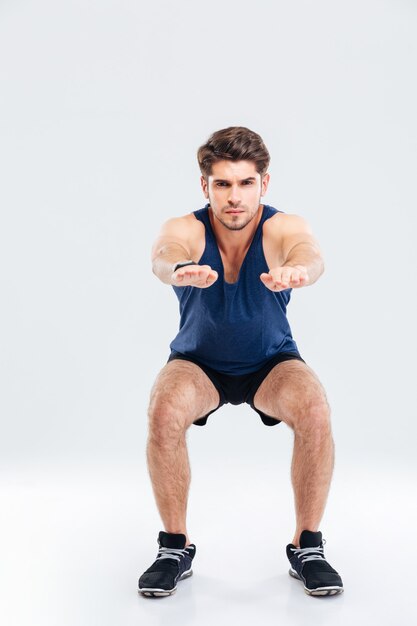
220 184
248 182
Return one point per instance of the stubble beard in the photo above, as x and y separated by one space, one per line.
233 225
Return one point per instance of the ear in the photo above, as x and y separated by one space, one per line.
265 182
204 186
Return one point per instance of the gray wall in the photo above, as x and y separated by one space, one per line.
103 106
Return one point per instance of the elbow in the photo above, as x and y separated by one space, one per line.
154 266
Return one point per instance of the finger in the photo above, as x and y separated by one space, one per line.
269 282
300 279
286 276
185 273
280 283
279 276
194 273
272 284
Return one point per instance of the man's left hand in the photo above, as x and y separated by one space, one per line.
285 277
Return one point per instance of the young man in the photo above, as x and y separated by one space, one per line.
232 265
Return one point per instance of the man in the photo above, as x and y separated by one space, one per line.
232 265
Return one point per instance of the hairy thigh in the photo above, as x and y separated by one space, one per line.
290 392
182 392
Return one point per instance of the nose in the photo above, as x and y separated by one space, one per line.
234 198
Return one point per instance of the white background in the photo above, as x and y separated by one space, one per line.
103 106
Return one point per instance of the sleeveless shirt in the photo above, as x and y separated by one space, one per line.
234 328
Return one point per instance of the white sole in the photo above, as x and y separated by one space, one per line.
155 592
331 590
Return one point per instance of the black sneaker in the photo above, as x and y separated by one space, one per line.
309 565
173 563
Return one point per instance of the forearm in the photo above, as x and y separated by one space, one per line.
169 255
308 256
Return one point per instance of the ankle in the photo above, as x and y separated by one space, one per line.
311 527
182 532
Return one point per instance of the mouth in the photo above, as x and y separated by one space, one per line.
233 212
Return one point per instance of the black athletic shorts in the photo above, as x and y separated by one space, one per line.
237 389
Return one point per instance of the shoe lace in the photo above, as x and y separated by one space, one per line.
310 554
171 553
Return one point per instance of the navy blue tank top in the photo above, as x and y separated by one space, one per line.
233 328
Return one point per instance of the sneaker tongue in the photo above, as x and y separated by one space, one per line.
171 540
308 539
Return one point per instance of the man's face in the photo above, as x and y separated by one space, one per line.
234 185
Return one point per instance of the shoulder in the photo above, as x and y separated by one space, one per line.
284 224
188 224
286 230
180 230
196 234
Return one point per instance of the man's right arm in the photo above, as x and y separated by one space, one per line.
170 254
172 246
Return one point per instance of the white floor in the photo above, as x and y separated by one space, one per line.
75 539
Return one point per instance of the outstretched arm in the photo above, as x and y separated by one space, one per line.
172 246
303 261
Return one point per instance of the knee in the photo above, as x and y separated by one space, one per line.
168 418
313 416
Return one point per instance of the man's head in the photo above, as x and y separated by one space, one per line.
234 164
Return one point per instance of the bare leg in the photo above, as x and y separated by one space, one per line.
181 394
311 472
294 394
169 469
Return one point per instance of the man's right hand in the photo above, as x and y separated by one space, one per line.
194 276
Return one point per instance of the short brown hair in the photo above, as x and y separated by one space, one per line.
235 143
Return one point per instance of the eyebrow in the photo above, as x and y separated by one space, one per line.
224 180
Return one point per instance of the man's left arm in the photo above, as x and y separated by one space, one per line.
302 262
